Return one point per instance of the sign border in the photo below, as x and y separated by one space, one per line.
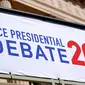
41 17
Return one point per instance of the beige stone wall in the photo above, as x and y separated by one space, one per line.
58 8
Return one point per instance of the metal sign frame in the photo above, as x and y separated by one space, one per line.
46 19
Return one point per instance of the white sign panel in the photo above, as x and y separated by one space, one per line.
36 48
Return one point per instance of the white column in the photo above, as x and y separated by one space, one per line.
5 3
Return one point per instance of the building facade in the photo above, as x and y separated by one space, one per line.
68 10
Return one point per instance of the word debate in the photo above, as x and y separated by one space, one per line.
42 43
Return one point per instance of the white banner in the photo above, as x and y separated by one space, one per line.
36 48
